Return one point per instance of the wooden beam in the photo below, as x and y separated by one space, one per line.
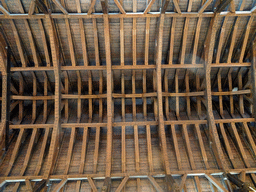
246 36
60 185
57 97
5 105
155 184
92 184
216 183
15 151
176 5
209 46
222 6
32 7
161 127
91 7
104 5
28 185
165 4
183 181
149 5
206 4
253 76
122 184
4 11
83 155
109 96
58 4
120 7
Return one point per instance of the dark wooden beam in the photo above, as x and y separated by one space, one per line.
253 76
41 6
222 5
104 5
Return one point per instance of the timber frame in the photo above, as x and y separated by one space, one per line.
39 151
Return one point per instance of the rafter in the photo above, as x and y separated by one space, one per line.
253 76
4 11
58 4
209 46
206 4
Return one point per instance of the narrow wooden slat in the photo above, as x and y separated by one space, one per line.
83 155
70 150
70 43
177 103
123 151
246 36
249 136
188 147
195 45
201 144
231 98
79 92
187 91
41 154
122 41
176 146
221 39
23 59
96 42
29 151
240 145
136 144
149 147
134 99
147 41
144 92
96 149
123 99
233 40
224 135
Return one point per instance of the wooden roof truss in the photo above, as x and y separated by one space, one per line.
42 145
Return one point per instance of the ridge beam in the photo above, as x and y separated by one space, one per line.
171 185
107 182
209 48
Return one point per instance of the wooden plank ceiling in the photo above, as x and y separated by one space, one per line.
123 95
